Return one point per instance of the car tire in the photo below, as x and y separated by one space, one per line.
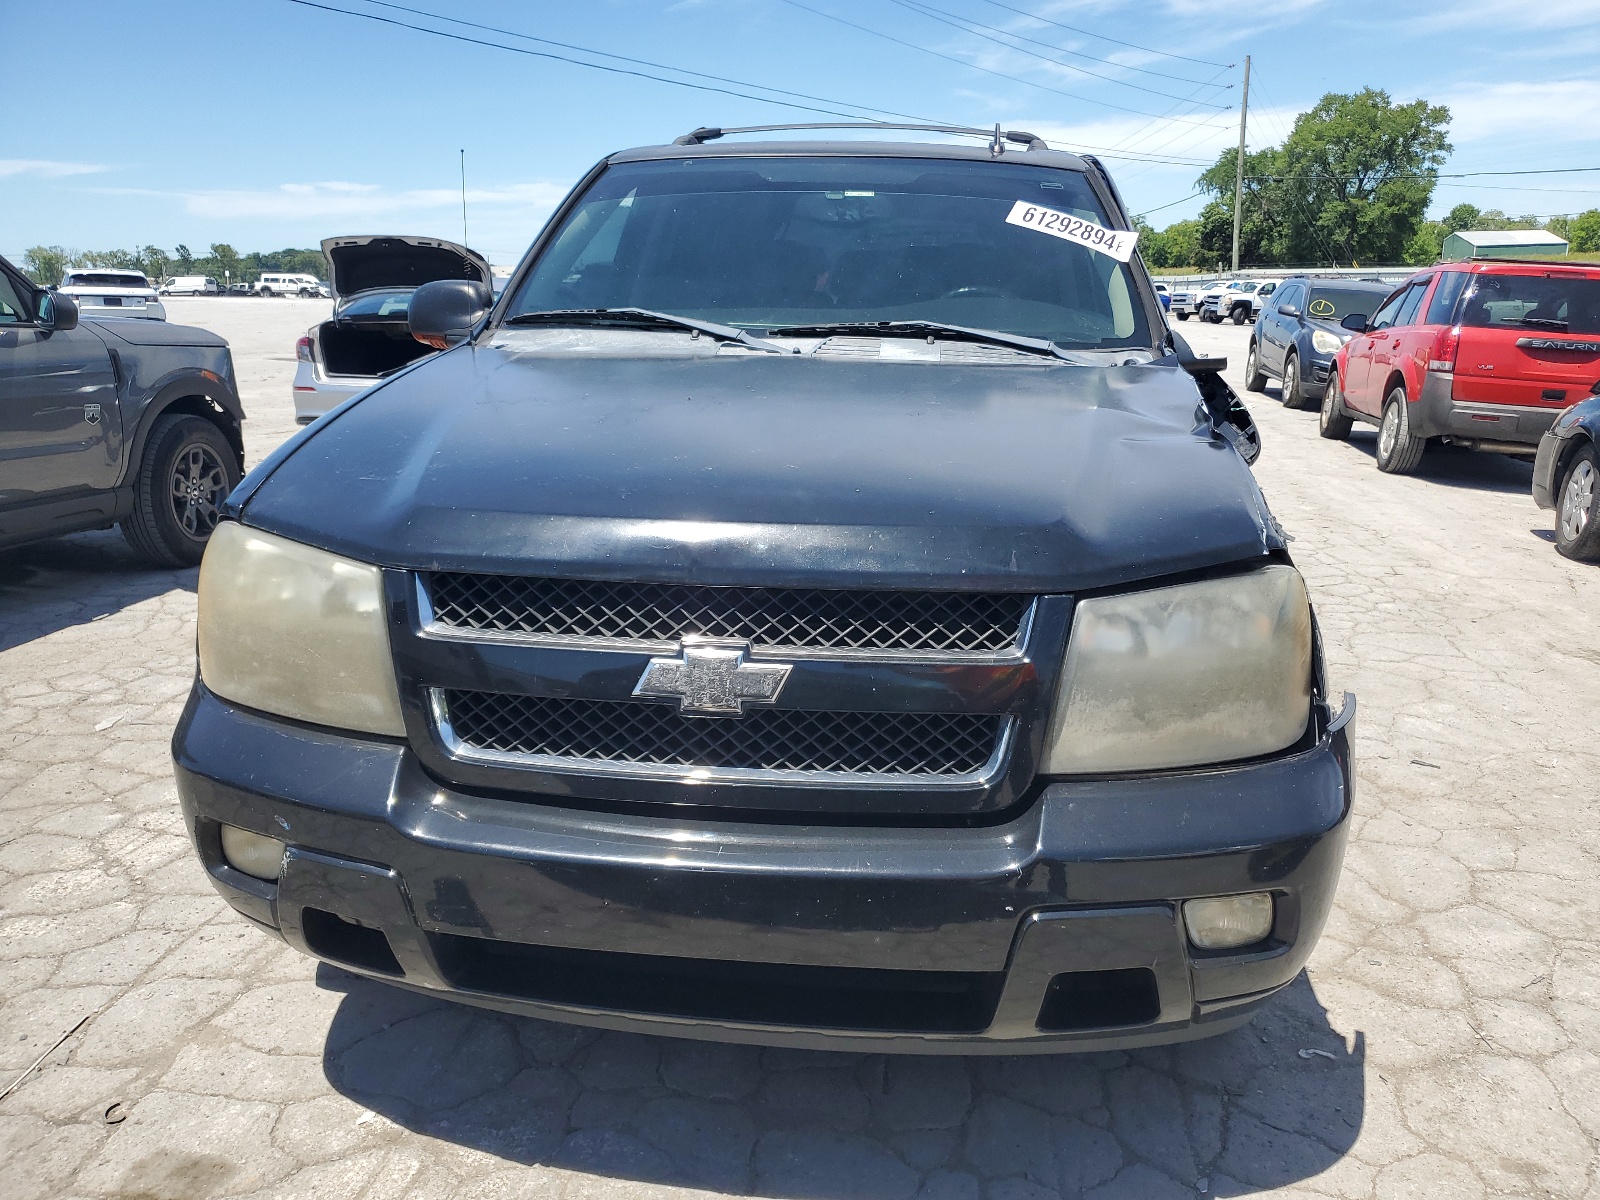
1183 316
1333 422
1294 395
1578 508
1399 450
179 485
263 291
1254 379
1241 312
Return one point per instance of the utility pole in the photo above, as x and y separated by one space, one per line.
464 186
1238 174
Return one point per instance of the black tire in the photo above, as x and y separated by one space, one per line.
1333 422
1183 316
1578 508
1399 450
1254 379
263 291
1241 313
187 471
1294 394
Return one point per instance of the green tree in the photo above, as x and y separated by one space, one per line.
45 264
185 259
1462 216
1260 227
1351 183
1585 231
222 264
1561 225
1181 241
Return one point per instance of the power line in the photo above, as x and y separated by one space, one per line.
1116 41
960 62
639 62
928 10
699 87
1170 204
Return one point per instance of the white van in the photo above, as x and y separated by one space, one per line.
190 285
275 283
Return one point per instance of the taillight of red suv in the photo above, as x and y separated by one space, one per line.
1443 355
302 350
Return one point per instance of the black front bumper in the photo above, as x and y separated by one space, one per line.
1055 930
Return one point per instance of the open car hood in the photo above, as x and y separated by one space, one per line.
363 263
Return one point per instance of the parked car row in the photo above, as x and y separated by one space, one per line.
1496 356
270 284
1237 300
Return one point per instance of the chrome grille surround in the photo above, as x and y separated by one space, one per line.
631 738
810 622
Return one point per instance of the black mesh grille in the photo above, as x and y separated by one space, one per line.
769 739
787 617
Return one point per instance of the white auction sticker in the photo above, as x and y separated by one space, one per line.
1118 243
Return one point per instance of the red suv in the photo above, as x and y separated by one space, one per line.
1481 354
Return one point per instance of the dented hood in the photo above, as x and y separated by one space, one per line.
771 470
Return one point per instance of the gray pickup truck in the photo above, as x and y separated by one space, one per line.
112 421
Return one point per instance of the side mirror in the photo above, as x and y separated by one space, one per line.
1288 310
57 313
443 313
1355 322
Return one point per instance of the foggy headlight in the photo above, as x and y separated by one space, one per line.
1324 342
296 631
1182 676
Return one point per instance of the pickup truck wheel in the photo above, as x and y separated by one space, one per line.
1578 509
1183 316
1254 380
1293 395
1241 313
187 471
1399 451
1333 422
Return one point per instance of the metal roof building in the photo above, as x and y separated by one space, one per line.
1502 243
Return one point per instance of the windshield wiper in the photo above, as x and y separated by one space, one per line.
642 318
1544 323
967 333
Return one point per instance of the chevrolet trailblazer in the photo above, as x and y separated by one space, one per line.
819 603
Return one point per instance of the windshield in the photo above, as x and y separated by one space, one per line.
102 279
1566 302
1335 304
768 242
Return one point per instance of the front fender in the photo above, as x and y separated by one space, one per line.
179 384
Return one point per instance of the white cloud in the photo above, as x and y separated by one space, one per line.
46 168
1484 111
299 201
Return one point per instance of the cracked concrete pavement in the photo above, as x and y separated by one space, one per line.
1454 1000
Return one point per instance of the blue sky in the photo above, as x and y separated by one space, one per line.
265 123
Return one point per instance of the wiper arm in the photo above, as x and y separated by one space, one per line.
1544 323
645 317
993 337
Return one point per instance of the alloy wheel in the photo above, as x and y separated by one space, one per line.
1389 431
1577 501
198 486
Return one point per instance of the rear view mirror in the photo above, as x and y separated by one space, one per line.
57 313
1288 310
1355 322
445 312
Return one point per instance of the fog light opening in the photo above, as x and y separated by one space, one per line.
254 854
1228 922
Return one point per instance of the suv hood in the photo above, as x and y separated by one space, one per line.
362 263
158 333
767 470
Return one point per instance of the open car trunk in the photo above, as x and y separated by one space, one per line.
373 350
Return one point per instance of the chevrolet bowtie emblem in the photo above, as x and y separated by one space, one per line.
712 679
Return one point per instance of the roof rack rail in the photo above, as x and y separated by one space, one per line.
997 137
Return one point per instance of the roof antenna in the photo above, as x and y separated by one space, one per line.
998 146
463 197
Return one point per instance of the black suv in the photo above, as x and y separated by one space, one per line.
114 420
818 603
1298 332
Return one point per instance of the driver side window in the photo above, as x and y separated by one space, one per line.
14 308
1384 317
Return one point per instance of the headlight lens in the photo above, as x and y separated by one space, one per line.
296 631
1324 342
1181 676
